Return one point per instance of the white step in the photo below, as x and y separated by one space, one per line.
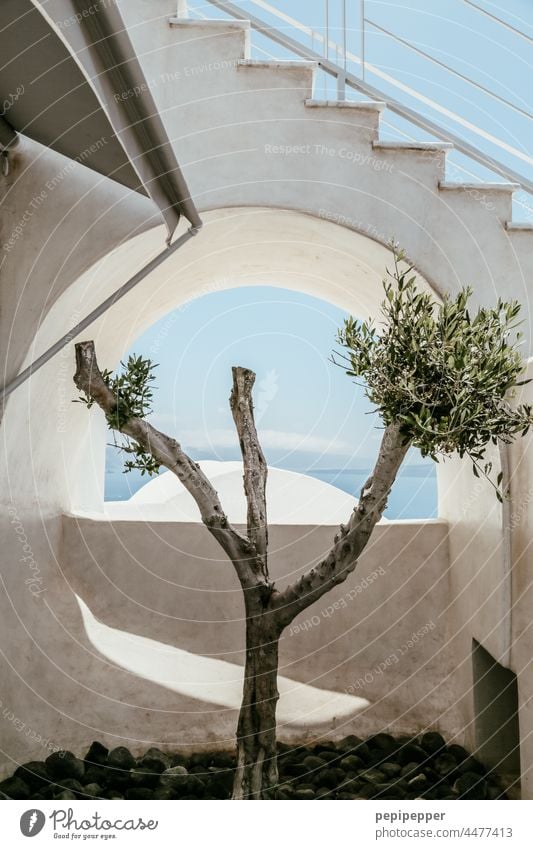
363 114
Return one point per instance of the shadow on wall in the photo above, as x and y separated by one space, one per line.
213 680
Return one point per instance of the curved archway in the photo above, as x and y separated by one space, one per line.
313 420
56 451
237 247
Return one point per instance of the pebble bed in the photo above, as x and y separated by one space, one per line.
380 767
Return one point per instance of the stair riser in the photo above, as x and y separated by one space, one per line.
469 202
335 121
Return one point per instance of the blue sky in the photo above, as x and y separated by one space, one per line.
310 415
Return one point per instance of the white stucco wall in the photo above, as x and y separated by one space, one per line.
281 213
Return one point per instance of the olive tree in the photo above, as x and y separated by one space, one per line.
441 380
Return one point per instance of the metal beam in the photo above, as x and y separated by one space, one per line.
103 49
9 387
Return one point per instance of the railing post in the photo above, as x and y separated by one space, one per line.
326 29
362 36
182 11
344 33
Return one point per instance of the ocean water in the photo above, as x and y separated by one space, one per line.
413 496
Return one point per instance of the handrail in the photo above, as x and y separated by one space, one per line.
353 81
446 67
126 287
499 20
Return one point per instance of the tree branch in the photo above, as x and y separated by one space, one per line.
342 558
167 452
254 464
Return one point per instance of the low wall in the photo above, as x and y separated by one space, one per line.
380 635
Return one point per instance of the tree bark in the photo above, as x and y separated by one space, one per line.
256 776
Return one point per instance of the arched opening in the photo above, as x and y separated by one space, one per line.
313 420
127 573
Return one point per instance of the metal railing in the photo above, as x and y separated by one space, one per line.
323 47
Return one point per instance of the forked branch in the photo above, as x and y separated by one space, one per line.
169 453
254 463
342 558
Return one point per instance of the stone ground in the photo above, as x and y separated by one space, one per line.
381 767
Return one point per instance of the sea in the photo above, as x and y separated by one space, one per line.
413 496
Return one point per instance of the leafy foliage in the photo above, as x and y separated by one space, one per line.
446 376
132 388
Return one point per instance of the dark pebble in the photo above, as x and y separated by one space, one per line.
432 742
390 770
445 764
304 794
312 762
179 760
195 786
142 777
372 776
223 760
458 753
154 761
295 770
442 790
351 762
71 784
174 778
97 754
139 793
418 782
92 790
329 755
202 759
384 743
409 770
471 764
411 752
330 777
65 765
324 793
162 793
389 790
96 775
15 788
368 791
470 785
220 782
34 774
198 770
121 758
47 791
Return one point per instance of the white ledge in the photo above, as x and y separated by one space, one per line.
369 105
209 23
485 187
399 145
285 64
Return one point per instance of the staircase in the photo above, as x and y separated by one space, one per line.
252 133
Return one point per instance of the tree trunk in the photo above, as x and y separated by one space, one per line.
256 776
